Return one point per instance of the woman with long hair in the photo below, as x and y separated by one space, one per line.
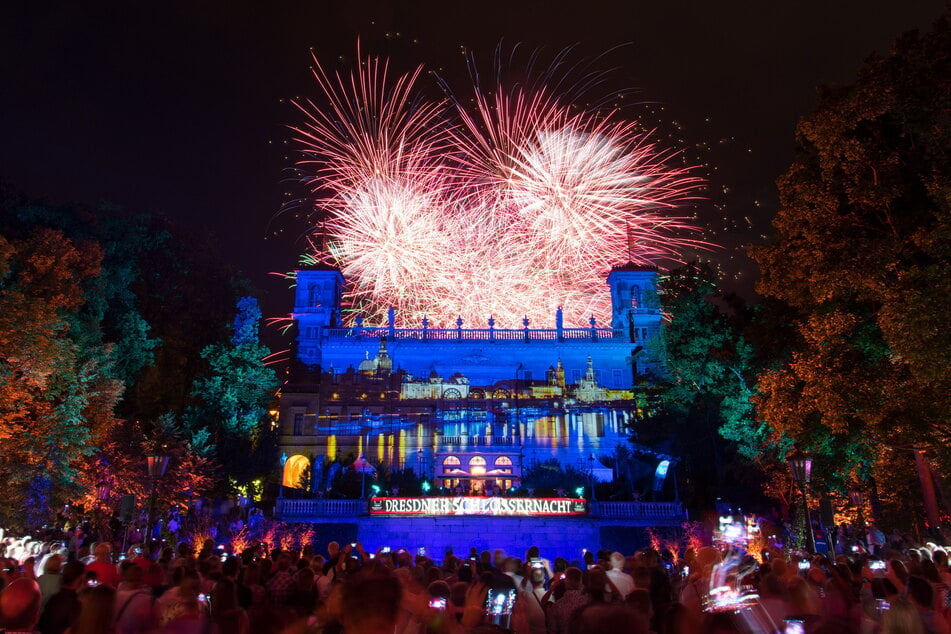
97 613
225 611
902 618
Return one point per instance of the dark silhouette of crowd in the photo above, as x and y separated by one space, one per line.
344 589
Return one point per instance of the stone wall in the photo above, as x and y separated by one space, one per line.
565 537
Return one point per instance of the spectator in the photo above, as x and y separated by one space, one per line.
280 585
608 618
102 565
640 601
251 581
51 579
226 613
63 608
922 595
20 605
621 580
181 600
560 614
134 603
902 618
679 619
98 610
302 598
370 601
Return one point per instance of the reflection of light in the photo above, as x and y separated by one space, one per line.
401 463
476 471
661 474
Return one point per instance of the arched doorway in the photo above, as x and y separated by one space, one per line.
293 470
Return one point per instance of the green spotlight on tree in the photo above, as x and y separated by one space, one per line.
426 486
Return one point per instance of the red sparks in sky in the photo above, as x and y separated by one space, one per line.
507 207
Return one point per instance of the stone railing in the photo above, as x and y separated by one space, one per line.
456 442
476 334
666 512
301 509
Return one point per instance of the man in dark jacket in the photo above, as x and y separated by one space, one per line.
63 608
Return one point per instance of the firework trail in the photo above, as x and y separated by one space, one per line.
509 207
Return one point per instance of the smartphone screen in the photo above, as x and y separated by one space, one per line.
794 627
438 603
498 607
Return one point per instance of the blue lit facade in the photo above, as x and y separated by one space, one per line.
471 405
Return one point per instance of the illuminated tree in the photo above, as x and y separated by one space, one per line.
104 317
861 254
704 414
56 396
120 460
232 399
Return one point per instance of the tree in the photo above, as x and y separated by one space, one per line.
705 415
120 460
56 396
104 318
861 254
232 399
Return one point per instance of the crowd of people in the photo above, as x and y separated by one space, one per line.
209 589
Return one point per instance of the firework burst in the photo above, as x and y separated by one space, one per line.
510 207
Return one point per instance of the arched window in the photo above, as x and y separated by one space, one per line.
503 461
451 461
293 470
475 461
452 393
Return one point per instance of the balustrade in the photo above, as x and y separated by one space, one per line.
644 511
475 334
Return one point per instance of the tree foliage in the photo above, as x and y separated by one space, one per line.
56 395
703 413
861 254
231 399
104 318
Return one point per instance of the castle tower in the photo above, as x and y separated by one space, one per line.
316 307
635 307
384 363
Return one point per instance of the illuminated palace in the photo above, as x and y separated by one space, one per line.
468 407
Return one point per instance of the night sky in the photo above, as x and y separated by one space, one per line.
181 107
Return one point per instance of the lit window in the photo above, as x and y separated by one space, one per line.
503 460
451 461
477 461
